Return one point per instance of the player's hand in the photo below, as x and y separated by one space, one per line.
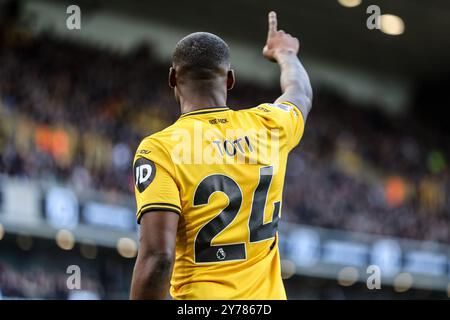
278 42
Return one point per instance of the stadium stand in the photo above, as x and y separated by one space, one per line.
73 113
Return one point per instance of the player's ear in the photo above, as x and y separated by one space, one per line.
230 79
172 78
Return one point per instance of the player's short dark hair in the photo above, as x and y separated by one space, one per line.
201 54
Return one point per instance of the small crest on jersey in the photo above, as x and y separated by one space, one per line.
221 255
144 173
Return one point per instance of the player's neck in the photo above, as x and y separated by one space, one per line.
201 102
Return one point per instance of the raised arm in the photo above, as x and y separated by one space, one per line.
283 49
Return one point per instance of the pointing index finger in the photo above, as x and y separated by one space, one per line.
272 22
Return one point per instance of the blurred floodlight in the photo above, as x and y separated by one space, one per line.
403 282
127 247
348 276
392 24
2 231
287 268
349 3
65 239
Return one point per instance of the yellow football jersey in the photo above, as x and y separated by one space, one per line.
222 171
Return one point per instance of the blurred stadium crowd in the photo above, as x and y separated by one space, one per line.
76 113
39 271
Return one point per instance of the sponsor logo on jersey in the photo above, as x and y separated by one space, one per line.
144 173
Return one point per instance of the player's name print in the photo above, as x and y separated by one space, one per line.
236 146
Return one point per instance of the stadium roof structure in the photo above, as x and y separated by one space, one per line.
327 29
337 47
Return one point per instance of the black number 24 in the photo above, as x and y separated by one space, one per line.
204 251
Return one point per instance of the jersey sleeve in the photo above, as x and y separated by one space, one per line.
287 117
155 187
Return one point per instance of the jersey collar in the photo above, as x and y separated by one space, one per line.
204 111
